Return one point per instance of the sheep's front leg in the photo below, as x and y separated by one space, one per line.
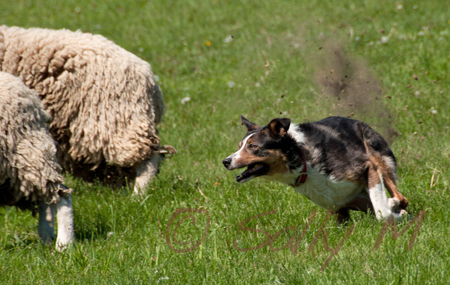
64 217
46 225
145 172
383 206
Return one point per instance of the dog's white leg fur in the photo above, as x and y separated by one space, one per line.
145 172
383 206
64 217
46 227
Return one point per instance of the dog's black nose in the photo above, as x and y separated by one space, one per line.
226 162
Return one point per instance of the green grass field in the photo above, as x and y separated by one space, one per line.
240 57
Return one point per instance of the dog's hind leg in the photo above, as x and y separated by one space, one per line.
383 206
385 163
389 183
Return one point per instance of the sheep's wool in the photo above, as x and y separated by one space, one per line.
103 100
29 171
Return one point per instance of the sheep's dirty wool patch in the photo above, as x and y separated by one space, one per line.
348 88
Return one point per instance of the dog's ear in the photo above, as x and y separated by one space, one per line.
249 125
279 126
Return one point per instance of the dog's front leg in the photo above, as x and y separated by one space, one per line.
342 216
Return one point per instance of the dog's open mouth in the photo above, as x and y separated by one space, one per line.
253 170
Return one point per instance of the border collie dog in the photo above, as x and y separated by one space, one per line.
338 163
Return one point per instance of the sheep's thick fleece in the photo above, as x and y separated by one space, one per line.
103 100
29 172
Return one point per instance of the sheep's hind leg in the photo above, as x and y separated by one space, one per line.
64 216
46 227
145 172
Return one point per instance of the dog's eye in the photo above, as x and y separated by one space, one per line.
252 146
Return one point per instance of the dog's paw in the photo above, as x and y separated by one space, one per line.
401 215
404 203
394 204
394 208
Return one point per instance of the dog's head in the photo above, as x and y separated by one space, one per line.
265 151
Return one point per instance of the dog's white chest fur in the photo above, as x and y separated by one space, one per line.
327 192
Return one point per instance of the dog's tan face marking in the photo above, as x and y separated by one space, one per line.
247 153
277 163
259 151
259 160
273 158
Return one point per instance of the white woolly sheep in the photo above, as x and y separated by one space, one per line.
103 100
30 176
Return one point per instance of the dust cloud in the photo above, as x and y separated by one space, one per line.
348 88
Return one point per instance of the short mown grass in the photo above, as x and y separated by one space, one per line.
278 62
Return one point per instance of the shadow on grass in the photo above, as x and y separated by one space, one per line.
96 228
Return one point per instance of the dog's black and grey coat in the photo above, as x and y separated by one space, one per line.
335 146
348 163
